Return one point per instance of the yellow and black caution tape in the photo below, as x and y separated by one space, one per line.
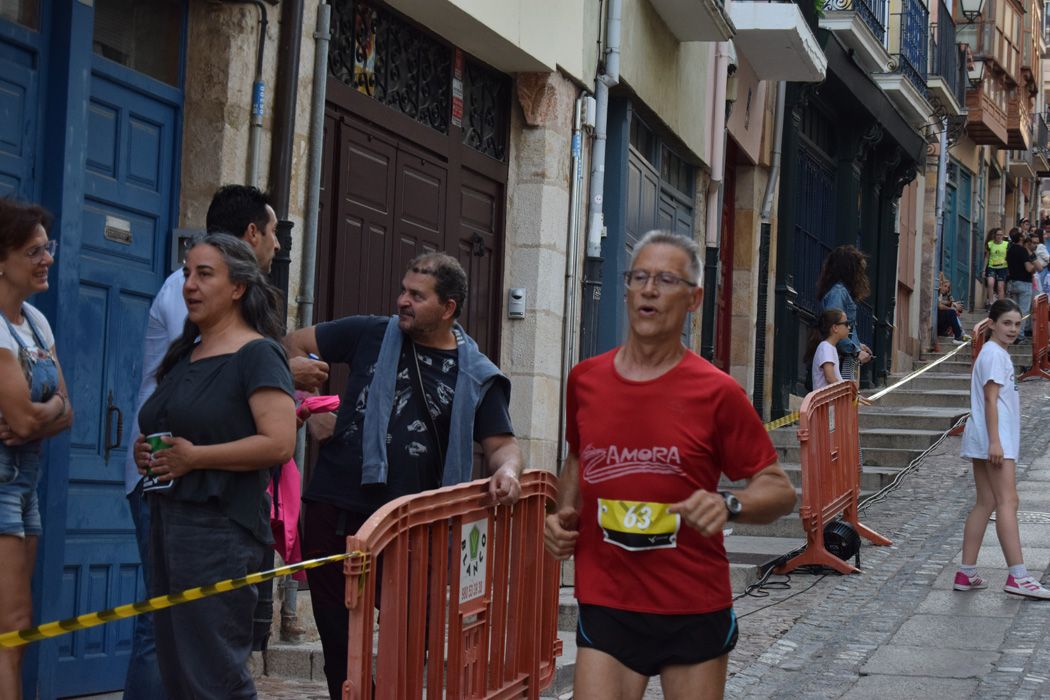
81 622
782 421
794 416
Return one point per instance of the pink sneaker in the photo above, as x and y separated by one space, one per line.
1027 586
965 583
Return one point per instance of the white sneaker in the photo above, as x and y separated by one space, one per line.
1027 586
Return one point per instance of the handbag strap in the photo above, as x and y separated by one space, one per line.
414 368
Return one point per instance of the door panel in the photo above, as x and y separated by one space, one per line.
18 112
125 223
395 199
960 270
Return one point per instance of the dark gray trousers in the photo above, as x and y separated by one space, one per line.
202 646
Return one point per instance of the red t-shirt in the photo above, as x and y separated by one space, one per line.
643 446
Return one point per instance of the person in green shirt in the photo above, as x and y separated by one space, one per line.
995 245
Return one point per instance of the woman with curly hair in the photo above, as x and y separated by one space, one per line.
34 405
844 282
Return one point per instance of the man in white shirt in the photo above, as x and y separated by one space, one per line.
238 210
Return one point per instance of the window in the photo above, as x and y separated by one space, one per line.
145 36
24 12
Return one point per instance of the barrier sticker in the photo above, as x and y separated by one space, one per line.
473 559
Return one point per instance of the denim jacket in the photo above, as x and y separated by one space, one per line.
838 298
476 375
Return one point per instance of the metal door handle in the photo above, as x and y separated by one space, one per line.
112 408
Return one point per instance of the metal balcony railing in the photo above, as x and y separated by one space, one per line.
946 57
913 47
1041 134
873 12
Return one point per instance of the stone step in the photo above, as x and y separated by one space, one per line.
899 438
949 398
871 478
958 365
871 456
1018 352
789 526
931 381
877 416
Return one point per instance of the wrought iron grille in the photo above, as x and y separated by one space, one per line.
914 27
486 96
873 12
814 225
382 56
866 324
379 54
944 54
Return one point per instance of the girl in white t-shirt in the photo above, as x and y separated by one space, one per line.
992 440
832 326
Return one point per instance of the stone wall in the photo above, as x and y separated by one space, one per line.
535 258
220 69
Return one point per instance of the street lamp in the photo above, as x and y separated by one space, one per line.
971 9
976 73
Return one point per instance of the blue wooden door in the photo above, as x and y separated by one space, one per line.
132 134
960 270
948 230
19 78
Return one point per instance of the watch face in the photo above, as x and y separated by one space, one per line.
733 504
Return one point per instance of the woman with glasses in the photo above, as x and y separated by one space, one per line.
34 405
844 282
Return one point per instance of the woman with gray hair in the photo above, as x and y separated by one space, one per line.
221 417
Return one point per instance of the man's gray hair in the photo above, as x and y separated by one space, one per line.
686 245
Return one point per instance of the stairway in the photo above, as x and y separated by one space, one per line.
893 432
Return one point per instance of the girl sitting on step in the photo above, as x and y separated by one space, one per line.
992 440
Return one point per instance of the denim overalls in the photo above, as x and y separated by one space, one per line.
20 466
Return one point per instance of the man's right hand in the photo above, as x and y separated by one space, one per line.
308 374
560 531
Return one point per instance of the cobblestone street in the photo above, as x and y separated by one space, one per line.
899 630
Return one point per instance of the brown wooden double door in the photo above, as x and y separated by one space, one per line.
392 189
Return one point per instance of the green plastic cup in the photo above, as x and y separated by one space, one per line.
156 445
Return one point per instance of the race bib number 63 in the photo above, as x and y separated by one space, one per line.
638 525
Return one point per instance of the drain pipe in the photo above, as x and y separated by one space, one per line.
571 267
765 238
938 261
715 193
307 284
283 136
592 267
258 95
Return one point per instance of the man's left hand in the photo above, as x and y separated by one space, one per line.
504 487
704 511
308 374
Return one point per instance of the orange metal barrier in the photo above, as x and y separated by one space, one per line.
829 438
1040 340
981 333
469 603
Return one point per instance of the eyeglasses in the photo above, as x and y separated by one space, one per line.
37 252
848 324
637 279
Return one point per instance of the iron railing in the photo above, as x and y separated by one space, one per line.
1042 134
914 43
873 12
946 58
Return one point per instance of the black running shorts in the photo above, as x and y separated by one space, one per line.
646 642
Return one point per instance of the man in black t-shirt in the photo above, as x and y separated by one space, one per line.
419 394
1020 264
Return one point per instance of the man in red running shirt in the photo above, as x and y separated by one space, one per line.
651 428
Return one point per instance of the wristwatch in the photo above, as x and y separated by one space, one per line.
733 504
